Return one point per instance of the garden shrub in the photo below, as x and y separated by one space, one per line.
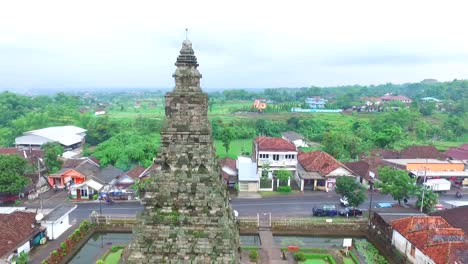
300 256
284 189
354 257
253 255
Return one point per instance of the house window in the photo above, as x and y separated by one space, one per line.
275 157
290 156
413 250
264 156
84 192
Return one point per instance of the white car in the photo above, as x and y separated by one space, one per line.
344 201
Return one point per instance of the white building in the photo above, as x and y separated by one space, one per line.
57 221
70 137
247 173
295 138
274 154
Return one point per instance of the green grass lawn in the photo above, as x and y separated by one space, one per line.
113 257
347 260
314 261
235 148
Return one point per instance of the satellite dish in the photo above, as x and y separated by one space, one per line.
39 217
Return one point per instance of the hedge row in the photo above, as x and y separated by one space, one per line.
57 255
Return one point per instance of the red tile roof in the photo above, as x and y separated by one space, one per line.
15 228
456 217
274 144
319 161
361 168
460 153
394 98
136 172
434 237
8 150
417 223
384 153
464 146
227 162
421 152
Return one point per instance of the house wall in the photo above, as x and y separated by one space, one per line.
54 230
299 143
74 175
246 186
26 247
404 246
340 172
435 166
281 162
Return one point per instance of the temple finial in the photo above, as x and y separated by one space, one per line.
186 34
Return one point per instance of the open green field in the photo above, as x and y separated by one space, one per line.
237 147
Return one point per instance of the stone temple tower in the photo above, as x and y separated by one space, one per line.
187 216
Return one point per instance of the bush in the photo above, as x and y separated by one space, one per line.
284 189
100 261
253 255
299 256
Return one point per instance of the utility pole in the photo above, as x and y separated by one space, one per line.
371 188
424 186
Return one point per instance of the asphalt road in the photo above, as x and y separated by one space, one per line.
281 206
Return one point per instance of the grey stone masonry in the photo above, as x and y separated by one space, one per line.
187 216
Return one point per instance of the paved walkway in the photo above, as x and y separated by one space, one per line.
39 253
272 251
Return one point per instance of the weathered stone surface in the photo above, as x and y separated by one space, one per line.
187 216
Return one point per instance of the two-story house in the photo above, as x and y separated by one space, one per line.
271 154
315 102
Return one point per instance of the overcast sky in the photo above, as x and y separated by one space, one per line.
239 44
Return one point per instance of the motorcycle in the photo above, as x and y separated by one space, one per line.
459 194
109 201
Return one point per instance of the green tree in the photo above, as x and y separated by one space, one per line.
52 153
397 183
12 169
127 149
283 176
430 200
353 190
427 108
227 135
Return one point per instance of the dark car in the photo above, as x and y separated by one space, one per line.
348 211
326 210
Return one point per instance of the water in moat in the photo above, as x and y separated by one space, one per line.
100 243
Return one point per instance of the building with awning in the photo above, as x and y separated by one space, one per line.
86 190
318 170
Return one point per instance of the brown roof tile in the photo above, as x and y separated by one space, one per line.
274 144
319 161
361 168
456 217
421 152
15 228
417 223
136 172
435 238
457 153
227 162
